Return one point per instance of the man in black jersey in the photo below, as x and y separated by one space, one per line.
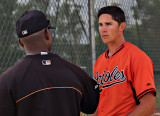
42 83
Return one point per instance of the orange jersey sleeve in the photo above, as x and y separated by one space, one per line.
142 74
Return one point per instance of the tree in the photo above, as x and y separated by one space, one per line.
67 39
70 33
6 33
148 28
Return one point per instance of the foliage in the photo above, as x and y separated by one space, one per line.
67 38
148 29
7 47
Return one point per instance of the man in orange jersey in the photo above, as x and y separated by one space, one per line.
124 72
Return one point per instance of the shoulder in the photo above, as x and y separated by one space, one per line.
74 68
135 52
138 58
68 64
133 49
14 71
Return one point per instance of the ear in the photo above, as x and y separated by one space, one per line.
122 26
49 39
47 34
20 43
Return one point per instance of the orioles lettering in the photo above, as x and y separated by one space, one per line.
110 79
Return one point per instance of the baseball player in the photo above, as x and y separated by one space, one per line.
124 72
42 83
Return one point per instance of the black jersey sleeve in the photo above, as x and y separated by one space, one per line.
9 84
90 89
90 96
7 105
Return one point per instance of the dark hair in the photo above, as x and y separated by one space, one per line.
116 13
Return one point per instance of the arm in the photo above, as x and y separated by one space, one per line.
146 106
143 83
90 96
7 106
90 89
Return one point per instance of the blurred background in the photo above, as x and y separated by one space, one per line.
76 37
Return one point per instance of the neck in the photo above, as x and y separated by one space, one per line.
113 47
33 52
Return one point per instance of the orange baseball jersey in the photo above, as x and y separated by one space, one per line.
123 79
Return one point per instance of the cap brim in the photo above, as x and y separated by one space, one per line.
51 27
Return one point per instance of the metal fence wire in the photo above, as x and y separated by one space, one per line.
73 38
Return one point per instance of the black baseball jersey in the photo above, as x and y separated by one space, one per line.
46 85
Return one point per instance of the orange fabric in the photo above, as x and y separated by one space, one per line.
114 75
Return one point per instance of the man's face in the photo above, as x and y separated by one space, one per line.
108 29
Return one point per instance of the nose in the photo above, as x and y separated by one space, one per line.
103 28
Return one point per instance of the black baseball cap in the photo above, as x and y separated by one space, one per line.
31 22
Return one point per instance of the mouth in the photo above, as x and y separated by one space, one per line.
104 35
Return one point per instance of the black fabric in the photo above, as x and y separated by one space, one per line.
31 22
134 95
31 88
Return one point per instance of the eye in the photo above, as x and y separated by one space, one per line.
108 24
100 24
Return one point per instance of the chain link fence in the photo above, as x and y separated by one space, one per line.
72 38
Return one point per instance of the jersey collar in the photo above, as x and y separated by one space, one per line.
119 49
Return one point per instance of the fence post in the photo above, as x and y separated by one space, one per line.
92 32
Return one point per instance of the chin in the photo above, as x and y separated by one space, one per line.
106 42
